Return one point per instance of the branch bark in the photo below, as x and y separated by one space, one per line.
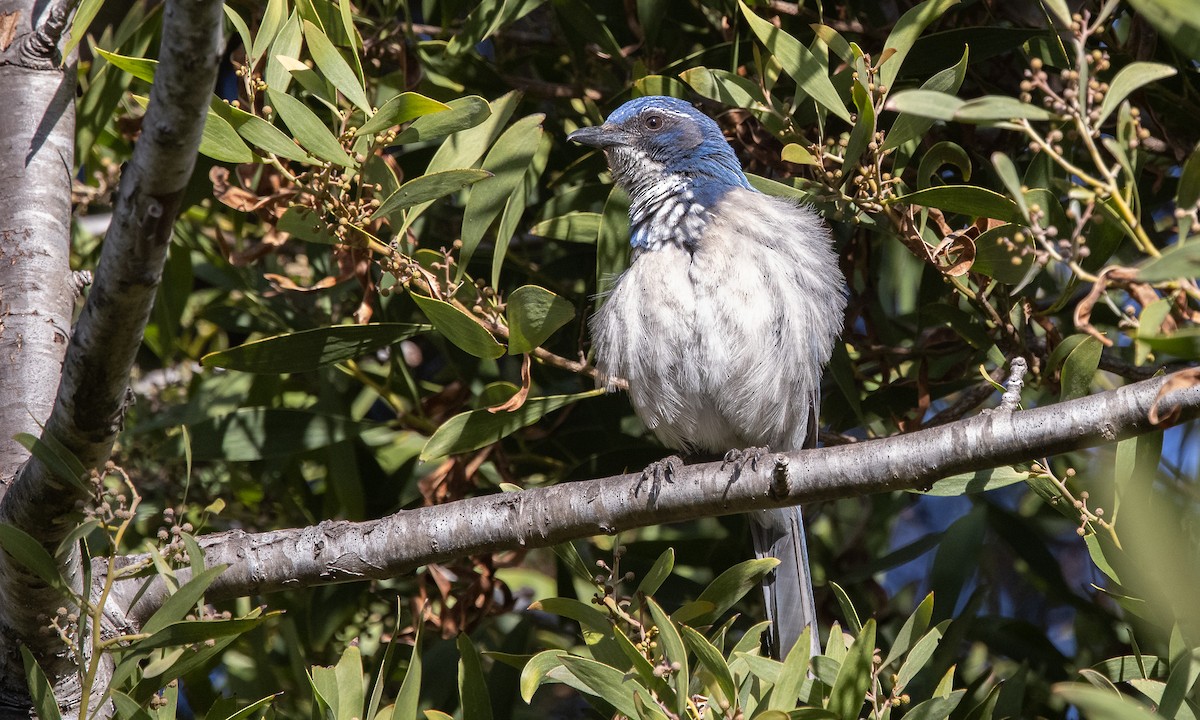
91 398
332 551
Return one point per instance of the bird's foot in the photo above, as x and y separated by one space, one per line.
740 458
656 473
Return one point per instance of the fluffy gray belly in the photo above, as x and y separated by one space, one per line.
713 346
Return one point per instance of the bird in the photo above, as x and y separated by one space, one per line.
724 320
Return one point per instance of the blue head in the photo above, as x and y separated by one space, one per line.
672 159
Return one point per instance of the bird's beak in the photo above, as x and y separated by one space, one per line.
600 136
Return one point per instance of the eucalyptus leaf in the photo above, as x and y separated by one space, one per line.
402 108
479 428
808 72
534 314
427 188
335 68
310 130
307 350
459 328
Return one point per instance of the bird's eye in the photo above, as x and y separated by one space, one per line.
653 122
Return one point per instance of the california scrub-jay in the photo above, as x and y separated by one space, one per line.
723 321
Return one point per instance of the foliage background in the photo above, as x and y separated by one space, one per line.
965 275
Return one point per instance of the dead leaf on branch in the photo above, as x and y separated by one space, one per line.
1178 381
518 399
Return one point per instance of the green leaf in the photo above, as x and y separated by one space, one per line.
854 677
183 600
710 657
586 615
658 572
186 632
578 227
1007 172
798 154
976 482
920 655
987 110
913 627
239 25
534 314
1079 368
1176 20
724 591
606 683
537 670
30 554
472 689
998 254
463 114
304 223
992 109
968 200
429 187
221 142
257 433
309 129
1130 78
670 644
273 18
508 160
307 350
128 708
937 708
863 132
906 31
84 14
910 127
40 690
259 132
140 68
933 104
57 459
287 43
1178 261
853 624
479 428
660 85
252 708
402 108
793 673
349 677
1100 704
459 327
724 87
408 699
334 68
941 154
808 72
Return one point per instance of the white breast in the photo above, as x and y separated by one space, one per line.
723 347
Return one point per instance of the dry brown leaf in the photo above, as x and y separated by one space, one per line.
519 397
1177 381
8 28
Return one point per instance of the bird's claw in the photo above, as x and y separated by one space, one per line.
656 473
740 457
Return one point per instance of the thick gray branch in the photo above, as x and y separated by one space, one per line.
91 397
342 551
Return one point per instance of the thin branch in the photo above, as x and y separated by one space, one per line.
338 551
92 394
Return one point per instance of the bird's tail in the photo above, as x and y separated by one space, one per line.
787 590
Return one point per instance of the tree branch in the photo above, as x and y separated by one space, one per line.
91 398
335 551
